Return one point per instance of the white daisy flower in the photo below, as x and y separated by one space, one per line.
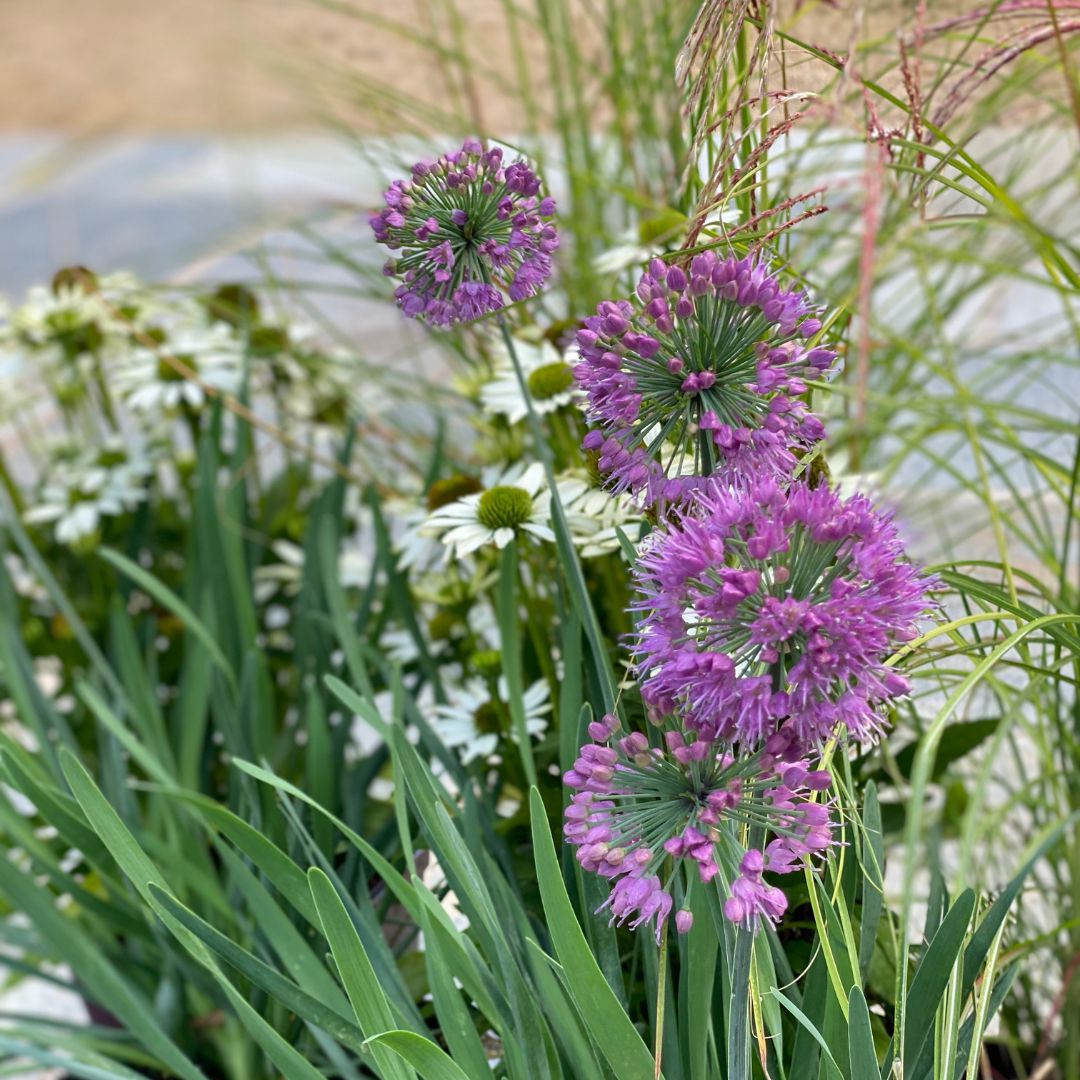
76 496
63 326
23 579
58 333
594 516
66 315
549 378
150 384
495 515
473 723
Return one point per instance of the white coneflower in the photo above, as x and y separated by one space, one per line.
79 492
150 384
473 722
67 317
418 551
23 580
495 515
595 516
549 378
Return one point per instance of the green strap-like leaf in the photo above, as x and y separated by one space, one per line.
357 975
103 982
261 974
616 1036
862 1054
873 868
168 599
142 873
932 975
830 1070
455 1019
86 1066
422 1054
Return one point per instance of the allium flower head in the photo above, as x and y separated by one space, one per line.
700 378
467 229
641 813
769 610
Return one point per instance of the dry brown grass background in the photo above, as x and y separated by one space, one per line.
95 66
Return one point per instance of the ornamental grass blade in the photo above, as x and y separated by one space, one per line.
609 1025
983 937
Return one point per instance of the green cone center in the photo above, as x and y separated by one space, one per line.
488 719
504 507
550 380
443 492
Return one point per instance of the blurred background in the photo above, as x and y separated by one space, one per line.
150 137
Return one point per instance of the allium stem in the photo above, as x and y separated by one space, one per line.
571 564
739 1015
661 1004
738 1040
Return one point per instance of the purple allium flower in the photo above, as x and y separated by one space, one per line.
467 229
768 610
700 378
642 814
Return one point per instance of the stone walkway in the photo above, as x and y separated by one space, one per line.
155 205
